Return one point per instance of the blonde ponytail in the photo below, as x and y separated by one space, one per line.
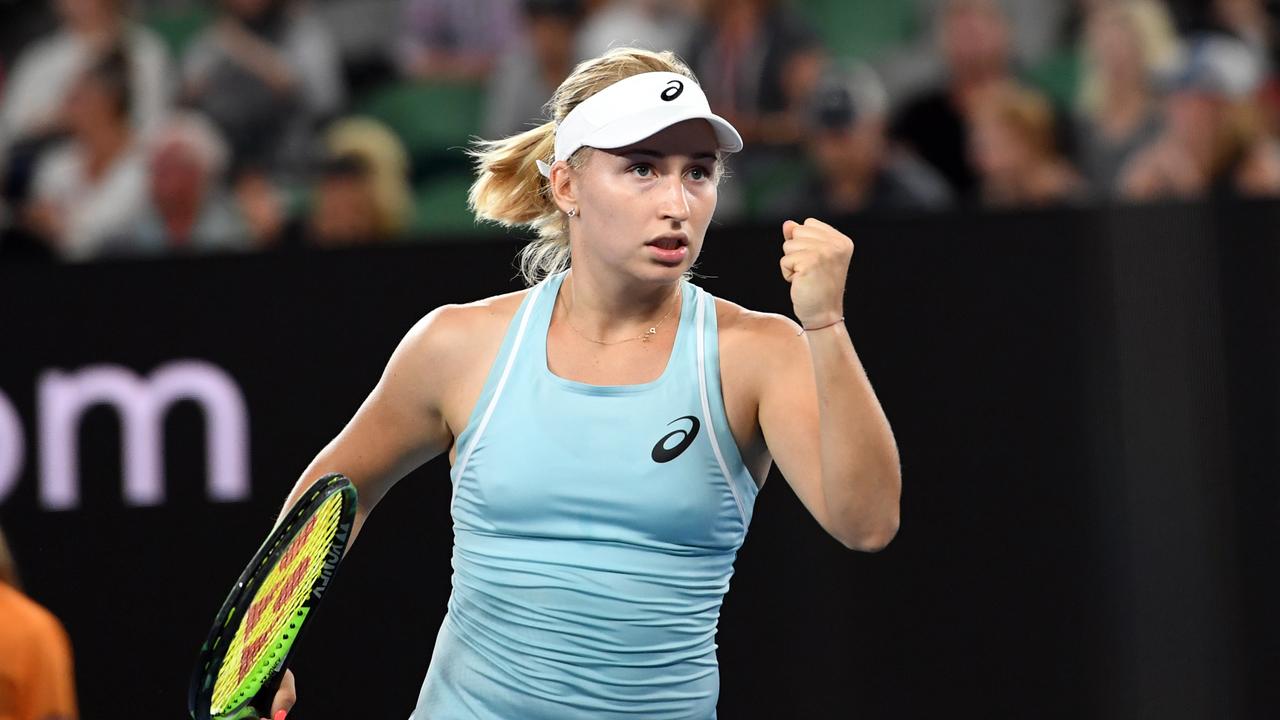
511 192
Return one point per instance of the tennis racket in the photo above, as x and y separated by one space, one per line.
256 630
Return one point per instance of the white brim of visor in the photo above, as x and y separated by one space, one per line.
631 129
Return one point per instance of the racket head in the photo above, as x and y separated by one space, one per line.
255 631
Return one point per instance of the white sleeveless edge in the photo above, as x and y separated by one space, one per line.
702 298
525 312
700 321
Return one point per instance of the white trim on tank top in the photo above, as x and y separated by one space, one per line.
497 391
700 320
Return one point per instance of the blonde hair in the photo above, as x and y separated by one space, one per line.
511 192
388 163
1152 28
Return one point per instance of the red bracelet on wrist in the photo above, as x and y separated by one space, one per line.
804 329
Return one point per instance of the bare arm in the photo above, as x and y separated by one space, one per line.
818 413
400 425
826 430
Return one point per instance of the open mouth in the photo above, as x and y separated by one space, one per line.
671 242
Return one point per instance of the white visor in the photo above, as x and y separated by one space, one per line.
631 110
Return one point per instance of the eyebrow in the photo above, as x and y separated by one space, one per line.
656 154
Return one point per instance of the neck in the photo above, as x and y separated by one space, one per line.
180 220
967 86
849 190
100 32
103 147
1124 107
609 308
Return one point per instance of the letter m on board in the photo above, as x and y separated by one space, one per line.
141 405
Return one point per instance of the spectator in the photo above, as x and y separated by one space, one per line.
344 208
650 24
1208 143
974 38
1011 143
385 165
1247 20
533 67
857 168
36 672
1129 44
360 193
34 101
1258 173
758 63
33 111
456 40
188 207
1036 31
88 193
267 73
361 29
264 210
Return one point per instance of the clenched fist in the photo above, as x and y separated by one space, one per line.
815 260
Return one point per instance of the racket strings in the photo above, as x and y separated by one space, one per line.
276 605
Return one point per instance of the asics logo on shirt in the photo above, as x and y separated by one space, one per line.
663 454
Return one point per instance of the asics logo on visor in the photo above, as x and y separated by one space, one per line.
674 88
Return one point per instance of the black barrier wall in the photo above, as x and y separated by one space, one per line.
1085 404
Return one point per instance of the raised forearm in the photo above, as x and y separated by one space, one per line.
861 479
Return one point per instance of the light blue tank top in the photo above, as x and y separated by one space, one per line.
595 530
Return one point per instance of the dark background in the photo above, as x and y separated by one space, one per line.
1085 405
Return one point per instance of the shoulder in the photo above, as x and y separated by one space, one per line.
202 52
757 349
57 170
307 31
738 320
759 336
132 166
491 309
913 182
453 332
35 624
58 47
147 46
441 351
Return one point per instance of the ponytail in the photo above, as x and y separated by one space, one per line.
509 189
511 192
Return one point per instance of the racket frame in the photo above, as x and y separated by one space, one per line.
234 608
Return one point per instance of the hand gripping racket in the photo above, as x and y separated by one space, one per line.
256 630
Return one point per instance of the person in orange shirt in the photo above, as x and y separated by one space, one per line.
36 681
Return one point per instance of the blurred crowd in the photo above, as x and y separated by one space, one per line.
136 127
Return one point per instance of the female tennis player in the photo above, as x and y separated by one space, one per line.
610 426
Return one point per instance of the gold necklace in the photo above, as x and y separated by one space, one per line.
652 331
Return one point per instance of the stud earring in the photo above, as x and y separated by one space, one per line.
573 212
